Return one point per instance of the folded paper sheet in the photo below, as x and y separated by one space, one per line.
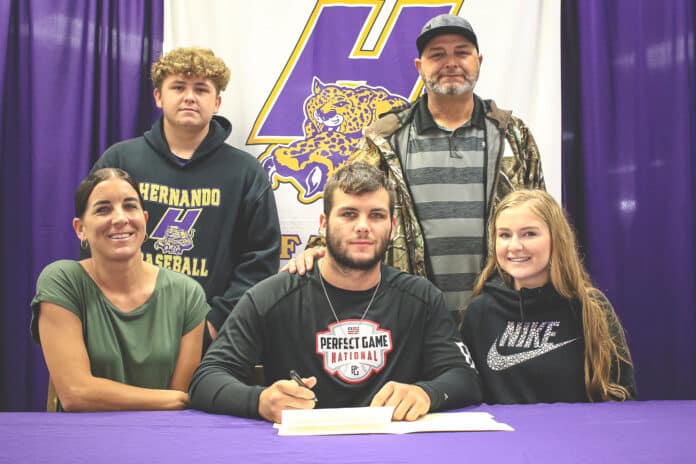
349 421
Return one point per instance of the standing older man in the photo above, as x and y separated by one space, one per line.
361 332
452 156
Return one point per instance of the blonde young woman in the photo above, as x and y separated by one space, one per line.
117 332
538 330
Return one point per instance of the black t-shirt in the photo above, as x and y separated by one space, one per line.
285 323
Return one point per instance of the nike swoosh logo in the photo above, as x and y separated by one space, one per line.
499 362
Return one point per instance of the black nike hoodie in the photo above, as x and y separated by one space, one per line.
528 345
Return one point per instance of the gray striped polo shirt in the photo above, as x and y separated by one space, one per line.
445 172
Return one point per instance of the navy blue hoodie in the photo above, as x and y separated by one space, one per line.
213 218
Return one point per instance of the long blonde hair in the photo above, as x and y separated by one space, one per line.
570 279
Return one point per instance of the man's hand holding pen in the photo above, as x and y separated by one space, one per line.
286 394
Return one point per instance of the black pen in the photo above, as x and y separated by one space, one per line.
296 377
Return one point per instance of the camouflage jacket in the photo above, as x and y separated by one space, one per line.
378 147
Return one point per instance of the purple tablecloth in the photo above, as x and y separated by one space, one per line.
649 432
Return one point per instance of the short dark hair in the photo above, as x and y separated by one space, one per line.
356 179
84 190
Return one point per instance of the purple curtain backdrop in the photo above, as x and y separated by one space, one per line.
74 76
629 173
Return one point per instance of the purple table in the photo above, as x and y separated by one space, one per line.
650 432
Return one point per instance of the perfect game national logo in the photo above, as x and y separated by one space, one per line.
354 349
314 116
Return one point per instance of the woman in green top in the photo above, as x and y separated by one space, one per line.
116 332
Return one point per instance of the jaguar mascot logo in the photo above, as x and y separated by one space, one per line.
175 241
334 116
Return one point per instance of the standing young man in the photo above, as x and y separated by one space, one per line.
212 210
362 333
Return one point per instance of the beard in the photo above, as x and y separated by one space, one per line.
449 89
453 89
340 255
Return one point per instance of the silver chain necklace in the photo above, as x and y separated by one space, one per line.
333 311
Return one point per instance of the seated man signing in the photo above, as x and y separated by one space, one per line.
360 332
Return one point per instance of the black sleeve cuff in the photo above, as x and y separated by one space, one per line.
436 398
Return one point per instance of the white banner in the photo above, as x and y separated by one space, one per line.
308 75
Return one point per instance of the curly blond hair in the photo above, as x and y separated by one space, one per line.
191 62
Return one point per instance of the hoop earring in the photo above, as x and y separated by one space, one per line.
84 244
146 237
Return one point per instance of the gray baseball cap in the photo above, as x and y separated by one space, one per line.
445 24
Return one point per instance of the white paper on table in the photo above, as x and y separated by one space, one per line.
335 421
451 422
348 421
